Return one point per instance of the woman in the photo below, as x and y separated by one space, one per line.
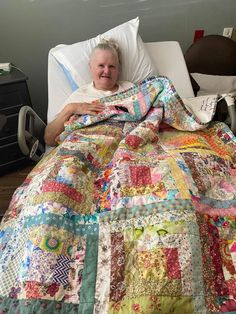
105 68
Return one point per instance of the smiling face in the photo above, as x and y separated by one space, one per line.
104 67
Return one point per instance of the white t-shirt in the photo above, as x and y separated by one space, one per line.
88 93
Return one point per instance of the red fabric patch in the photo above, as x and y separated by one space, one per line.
133 140
140 175
172 263
63 188
117 285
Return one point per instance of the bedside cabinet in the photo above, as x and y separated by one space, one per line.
14 94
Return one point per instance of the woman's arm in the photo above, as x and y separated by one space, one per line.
54 128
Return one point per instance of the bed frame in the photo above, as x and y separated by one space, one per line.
167 57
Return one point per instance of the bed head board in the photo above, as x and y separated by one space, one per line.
166 56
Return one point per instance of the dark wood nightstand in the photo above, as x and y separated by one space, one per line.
14 94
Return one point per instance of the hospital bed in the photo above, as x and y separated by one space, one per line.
167 57
131 212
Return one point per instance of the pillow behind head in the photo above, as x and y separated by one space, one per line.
136 63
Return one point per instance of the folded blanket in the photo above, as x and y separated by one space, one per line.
131 213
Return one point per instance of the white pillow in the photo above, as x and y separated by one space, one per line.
214 84
136 63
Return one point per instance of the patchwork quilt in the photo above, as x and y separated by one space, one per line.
133 212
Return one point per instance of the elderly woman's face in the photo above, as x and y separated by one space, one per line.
104 68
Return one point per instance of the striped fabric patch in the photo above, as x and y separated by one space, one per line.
62 270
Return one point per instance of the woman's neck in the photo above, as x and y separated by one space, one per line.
113 89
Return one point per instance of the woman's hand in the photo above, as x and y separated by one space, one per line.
85 108
54 128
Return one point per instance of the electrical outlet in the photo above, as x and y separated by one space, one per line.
228 32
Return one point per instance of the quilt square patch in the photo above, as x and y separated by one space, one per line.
156 262
41 265
140 175
153 272
61 270
218 235
159 264
203 169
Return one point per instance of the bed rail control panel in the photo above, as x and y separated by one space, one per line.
14 94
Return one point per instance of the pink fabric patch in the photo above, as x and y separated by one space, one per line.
233 247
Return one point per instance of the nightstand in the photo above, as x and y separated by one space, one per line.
14 94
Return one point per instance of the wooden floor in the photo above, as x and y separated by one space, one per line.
8 183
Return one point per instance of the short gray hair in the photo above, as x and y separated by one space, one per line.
108 44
